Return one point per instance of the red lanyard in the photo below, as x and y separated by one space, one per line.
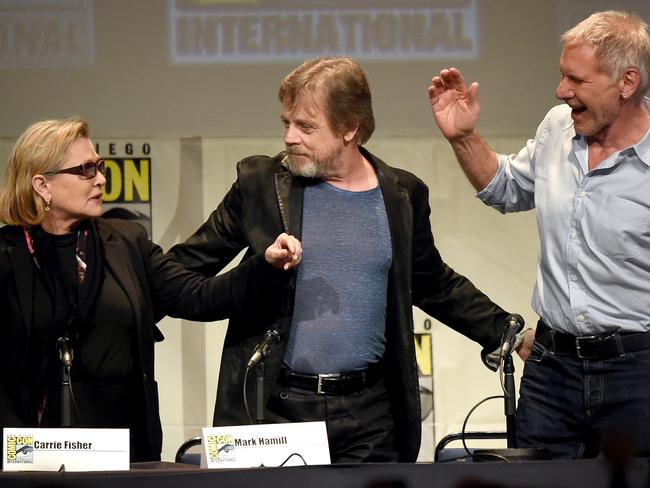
79 254
30 247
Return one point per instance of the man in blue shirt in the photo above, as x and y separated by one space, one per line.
587 174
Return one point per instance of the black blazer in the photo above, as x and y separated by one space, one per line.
153 283
267 199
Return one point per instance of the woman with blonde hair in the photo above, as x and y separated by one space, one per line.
73 282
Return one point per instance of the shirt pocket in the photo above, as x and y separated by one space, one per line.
620 228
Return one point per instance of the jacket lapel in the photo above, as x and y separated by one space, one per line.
398 210
289 192
21 263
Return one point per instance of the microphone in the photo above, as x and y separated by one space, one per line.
264 348
514 324
66 353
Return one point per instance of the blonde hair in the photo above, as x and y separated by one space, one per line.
347 96
621 40
41 148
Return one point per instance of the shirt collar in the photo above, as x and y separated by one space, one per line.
641 148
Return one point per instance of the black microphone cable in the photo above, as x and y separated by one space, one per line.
245 389
502 458
502 360
514 325
469 454
502 379
294 454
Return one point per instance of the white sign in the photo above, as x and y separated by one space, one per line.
252 446
31 449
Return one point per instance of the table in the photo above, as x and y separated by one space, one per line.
592 473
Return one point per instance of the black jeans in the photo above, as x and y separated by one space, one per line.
359 425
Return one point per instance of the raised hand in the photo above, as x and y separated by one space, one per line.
285 253
455 106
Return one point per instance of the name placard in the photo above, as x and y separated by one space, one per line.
33 449
252 446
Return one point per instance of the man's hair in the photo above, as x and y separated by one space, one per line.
345 91
41 148
621 40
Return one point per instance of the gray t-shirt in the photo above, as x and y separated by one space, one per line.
340 305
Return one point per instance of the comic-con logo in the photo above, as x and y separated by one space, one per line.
20 449
127 193
221 447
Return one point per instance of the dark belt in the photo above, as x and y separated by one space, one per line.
592 346
331 383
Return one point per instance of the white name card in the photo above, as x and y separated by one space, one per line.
252 446
32 449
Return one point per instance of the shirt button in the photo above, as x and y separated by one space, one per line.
580 318
573 234
583 194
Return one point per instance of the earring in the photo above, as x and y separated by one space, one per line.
47 205
624 97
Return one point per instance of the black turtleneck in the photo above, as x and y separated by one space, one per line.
101 373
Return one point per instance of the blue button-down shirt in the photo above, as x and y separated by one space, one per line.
593 274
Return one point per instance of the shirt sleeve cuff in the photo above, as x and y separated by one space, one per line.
485 195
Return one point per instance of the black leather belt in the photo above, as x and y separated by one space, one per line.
592 346
331 383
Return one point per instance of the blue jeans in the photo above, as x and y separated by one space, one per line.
571 406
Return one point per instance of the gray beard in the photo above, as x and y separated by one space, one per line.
312 169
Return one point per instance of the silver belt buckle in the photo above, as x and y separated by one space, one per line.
321 377
579 348
595 338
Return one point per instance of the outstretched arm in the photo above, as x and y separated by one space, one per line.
456 108
182 293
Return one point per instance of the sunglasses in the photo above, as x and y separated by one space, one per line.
88 169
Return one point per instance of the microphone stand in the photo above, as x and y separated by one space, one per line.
509 401
511 453
65 355
259 392
262 350
66 412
